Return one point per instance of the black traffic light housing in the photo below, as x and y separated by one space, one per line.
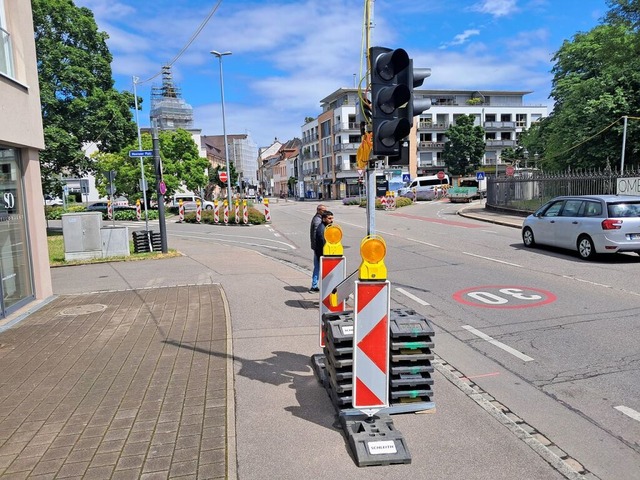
393 79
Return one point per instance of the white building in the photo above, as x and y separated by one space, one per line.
330 141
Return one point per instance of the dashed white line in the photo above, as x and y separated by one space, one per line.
630 412
412 296
586 281
492 259
498 344
424 243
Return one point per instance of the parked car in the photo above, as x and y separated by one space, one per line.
102 207
588 224
425 188
53 201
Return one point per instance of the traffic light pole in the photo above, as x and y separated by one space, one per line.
370 179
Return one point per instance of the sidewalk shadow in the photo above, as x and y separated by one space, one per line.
296 289
283 368
306 304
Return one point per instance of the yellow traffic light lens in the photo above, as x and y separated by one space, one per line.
373 249
333 234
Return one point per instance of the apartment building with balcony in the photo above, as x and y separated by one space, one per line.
24 254
330 141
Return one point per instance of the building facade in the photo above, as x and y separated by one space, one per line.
330 141
24 254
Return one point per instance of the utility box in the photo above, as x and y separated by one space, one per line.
81 232
115 241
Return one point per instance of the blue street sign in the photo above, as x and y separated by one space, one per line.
406 177
479 176
141 153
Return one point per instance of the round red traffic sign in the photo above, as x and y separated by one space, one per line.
504 296
510 170
440 175
222 176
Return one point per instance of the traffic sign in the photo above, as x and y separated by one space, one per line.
440 175
360 172
222 175
141 153
162 187
479 176
510 170
406 177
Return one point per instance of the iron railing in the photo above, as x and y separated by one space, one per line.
527 190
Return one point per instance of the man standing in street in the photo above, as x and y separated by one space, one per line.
326 220
315 223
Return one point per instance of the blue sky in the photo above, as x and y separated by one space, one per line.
287 55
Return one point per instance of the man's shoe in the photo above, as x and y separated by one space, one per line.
314 290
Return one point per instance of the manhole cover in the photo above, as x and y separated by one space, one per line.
84 309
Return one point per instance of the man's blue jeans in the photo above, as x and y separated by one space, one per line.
316 271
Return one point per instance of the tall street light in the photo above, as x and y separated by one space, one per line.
224 126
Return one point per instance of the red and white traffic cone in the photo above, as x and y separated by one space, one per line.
138 212
237 212
226 212
198 211
267 215
216 212
245 212
180 212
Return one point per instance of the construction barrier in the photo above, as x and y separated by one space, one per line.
237 212
198 211
216 212
333 270
267 215
109 210
245 212
180 211
226 213
138 211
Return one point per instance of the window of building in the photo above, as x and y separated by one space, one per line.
325 128
521 119
490 117
6 50
490 135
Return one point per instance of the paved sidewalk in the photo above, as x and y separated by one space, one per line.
198 367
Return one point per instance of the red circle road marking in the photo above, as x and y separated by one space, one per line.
547 297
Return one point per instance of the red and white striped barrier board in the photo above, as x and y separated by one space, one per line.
226 213
237 212
138 211
109 210
333 270
371 346
198 211
216 212
245 213
180 212
267 215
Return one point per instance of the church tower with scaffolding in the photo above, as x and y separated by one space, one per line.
167 105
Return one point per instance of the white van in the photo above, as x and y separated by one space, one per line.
425 187
189 202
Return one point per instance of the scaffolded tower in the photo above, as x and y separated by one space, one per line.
167 105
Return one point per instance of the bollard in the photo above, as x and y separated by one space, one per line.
237 212
226 212
198 211
267 215
245 212
180 211
138 212
216 212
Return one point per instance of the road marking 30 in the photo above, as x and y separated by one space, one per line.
412 296
629 412
491 340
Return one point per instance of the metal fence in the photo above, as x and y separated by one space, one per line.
527 190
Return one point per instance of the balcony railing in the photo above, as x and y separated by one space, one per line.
338 127
502 125
433 126
430 145
340 147
309 138
500 143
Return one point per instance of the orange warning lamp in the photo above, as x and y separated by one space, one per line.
373 249
333 237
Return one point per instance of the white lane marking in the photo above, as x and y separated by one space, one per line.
586 281
412 296
424 243
492 259
630 412
498 344
253 244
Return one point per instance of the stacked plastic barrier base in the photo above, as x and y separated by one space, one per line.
373 440
146 241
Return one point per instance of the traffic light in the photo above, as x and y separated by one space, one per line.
393 79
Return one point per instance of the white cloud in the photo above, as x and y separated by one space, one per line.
461 38
496 8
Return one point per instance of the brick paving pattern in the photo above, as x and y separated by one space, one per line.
120 385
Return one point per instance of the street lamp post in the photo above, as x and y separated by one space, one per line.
224 126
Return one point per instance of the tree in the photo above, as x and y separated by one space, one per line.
181 165
596 82
79 103
464 148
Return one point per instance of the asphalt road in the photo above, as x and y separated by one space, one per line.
550 336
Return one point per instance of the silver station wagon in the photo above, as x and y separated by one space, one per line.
589 224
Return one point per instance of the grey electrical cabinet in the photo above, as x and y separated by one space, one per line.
81 232
115 241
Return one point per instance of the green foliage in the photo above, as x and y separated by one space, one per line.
255 217
55 213
79 103
464 148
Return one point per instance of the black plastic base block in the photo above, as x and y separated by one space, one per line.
374 441
319 368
